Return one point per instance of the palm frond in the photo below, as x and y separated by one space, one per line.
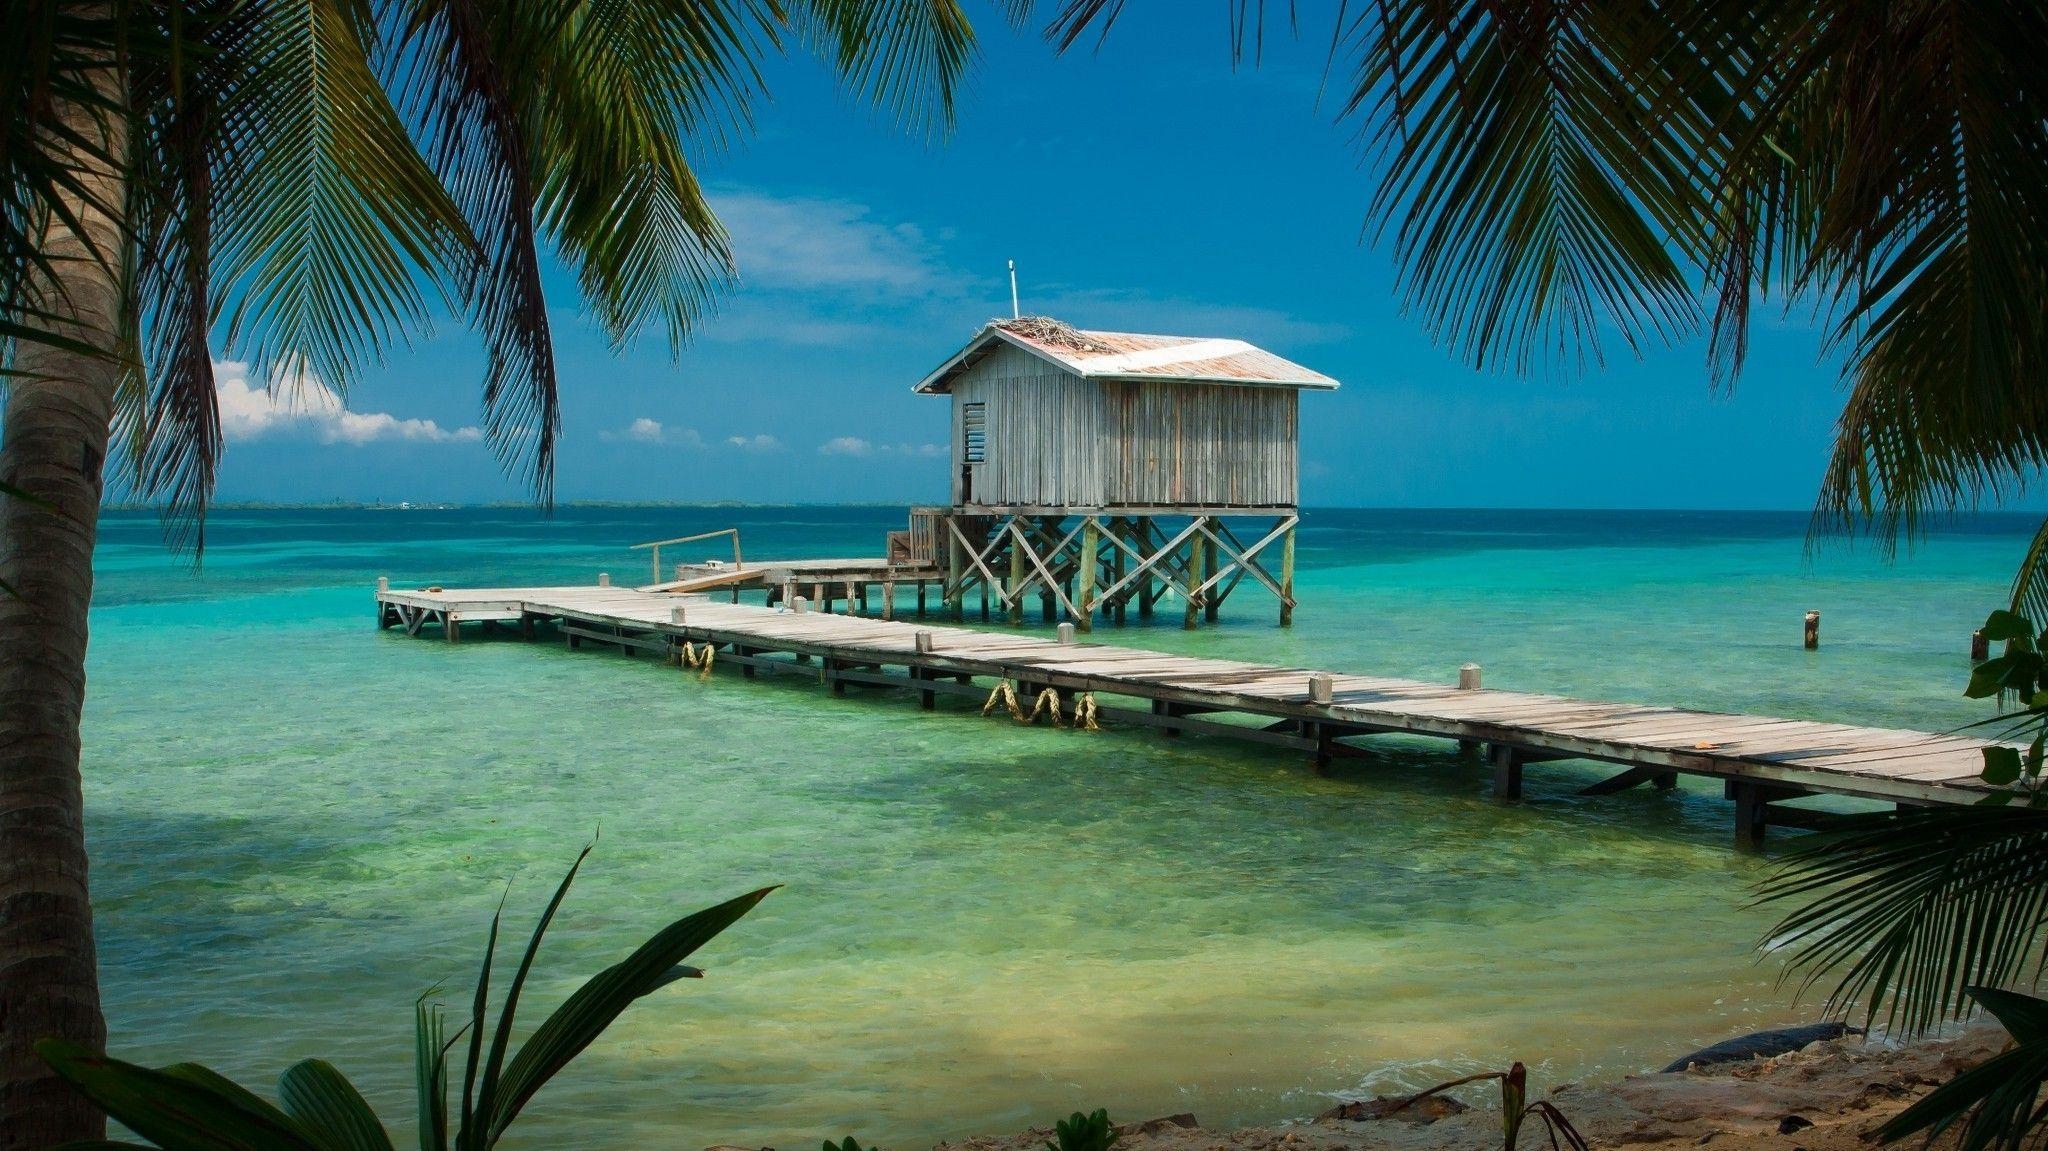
2030 582
907 57
1912 909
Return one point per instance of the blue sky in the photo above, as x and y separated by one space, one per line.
1144 187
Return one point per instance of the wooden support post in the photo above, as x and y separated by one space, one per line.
862 590
1980 648
1213 599
920 599
788 591
984 601
926 697
742 654
1322 734
1121 528
1091 541
1751 814
453 628
830 670
1812 631
1016 601
526 626
1196 573
1162 707
889 599
952 594
1287 579
1507 773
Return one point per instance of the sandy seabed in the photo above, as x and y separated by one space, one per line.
1827 1097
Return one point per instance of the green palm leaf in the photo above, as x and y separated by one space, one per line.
177 1109
330 1109
586 1013
1914 909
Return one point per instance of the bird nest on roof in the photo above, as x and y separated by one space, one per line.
1046 330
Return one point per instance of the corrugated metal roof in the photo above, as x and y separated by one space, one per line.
1131 356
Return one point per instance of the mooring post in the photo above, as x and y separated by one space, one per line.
1468 680
675 616
1322 688
1195 575
799 605
1287 578
1066 633
789 591
604 579
1813 631
1507 773
1084 597
1980 648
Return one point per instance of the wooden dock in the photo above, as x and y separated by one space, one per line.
1762 762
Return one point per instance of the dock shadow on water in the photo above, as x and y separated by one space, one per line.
299 825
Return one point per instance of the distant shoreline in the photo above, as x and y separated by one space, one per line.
2032 517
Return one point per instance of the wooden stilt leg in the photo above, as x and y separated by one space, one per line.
1507 773
1091 540
1016 601
1750 815
453 628
888 599
1196 574
1287 579
1322 733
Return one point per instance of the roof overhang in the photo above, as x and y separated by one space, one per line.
1119 366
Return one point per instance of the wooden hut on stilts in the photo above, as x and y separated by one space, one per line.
1101 470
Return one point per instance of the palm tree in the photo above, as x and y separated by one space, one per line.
1556 175
301 181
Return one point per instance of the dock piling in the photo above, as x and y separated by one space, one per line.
604 579
1321 688
1468 677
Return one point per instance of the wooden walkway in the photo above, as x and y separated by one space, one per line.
1763 762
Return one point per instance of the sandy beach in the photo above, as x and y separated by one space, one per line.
1829 1096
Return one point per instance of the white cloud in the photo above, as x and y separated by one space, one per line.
296 401
812 244
650 431
855 446
846 446
759 443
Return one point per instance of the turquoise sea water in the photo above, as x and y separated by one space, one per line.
299 824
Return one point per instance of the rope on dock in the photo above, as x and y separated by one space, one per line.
689 656
1084 712
1006 694
1047 700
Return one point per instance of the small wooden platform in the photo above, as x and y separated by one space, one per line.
1762 761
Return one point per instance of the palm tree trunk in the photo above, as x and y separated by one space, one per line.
52 446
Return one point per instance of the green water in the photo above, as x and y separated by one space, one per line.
298 824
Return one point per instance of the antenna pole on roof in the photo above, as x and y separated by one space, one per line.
1015 312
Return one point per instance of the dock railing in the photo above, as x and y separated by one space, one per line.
657 545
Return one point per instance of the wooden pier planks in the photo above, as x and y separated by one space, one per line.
1872 763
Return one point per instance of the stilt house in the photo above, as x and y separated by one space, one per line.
1098 469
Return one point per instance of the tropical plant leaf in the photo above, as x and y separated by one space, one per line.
592 1007
330 1109
177 1110
1913 909
430 1070
494 1065
1996 1100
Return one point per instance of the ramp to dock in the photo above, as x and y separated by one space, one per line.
1762 761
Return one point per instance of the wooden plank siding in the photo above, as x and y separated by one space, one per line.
1057 440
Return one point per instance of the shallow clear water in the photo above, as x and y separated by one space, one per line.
299 824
